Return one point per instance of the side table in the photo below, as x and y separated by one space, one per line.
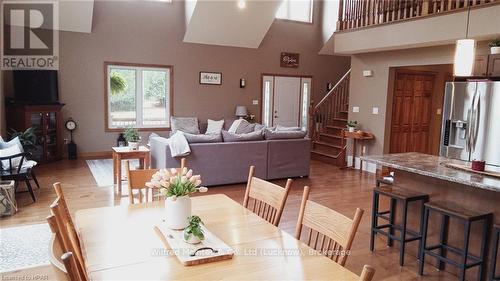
121 153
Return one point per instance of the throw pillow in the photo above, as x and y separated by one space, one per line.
15 141
230 137
235 125
214 127
185 124
283 128
259 127
9 151
193 138
277 135
245 127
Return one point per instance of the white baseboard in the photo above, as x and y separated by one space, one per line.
369 167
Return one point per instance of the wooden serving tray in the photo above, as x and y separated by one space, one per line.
469 169
209 250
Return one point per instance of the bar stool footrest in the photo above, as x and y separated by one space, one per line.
429 250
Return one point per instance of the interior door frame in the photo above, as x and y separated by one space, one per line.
392 92
311 91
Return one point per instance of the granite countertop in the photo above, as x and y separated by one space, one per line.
431 166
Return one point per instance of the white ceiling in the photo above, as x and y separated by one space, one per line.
223 23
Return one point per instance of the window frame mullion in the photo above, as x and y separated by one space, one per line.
139 98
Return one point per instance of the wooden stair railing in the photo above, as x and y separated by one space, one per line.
327 119
361 13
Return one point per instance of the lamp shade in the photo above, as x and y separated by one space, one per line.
464 57
241 111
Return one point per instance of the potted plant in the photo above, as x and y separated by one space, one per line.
193 234
351 125
132 137
176 187
495 47
27 138
117 83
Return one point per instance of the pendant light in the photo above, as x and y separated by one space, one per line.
464 53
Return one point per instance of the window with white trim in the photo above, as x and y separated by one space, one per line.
138 96
296 10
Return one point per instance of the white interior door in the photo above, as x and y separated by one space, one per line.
286 105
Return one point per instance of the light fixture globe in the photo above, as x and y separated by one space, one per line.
464 57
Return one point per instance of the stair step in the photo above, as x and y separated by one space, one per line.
335 127
328 144
330 135
340 119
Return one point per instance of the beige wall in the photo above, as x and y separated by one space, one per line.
368 92
152 32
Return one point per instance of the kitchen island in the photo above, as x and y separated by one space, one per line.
429 174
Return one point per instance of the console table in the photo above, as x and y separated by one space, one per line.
124 152
358 136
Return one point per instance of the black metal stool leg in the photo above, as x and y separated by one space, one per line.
392 211
483 254
443 239
421 230
374 219
494 243
424 242
465 250
403 234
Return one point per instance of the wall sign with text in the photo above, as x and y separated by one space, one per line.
289 60
211 78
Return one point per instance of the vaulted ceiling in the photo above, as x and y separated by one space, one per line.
236 23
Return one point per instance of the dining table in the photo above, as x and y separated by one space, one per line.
119 243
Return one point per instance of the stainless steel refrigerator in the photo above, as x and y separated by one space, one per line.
471 122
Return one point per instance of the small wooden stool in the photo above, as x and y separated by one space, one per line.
403 197
448 210
494 255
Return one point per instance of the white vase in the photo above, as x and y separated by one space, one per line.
178 211
495 50
133 145
351 129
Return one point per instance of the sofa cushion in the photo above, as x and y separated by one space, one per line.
214 127
203 138
230 137
276 135
259 127
283 128
184 124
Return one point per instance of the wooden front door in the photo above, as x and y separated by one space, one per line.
411 112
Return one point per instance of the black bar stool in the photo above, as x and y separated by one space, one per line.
448 210
402 197
494 255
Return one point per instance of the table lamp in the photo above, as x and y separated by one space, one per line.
241 111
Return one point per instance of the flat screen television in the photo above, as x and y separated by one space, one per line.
35 86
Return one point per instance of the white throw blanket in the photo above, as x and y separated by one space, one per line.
179 145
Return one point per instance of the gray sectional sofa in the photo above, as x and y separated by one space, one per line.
229 162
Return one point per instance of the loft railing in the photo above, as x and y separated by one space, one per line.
361 13
335 102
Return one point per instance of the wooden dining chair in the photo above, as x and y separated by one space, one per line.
68 235
268 198
56 245
138 178
62 200
329 232
367 273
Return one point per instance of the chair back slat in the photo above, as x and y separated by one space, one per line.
56 247
268 198
62 201
320 220
68 236
367 273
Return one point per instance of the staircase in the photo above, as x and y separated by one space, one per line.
328 119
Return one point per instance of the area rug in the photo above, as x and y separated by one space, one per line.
24 246
102 171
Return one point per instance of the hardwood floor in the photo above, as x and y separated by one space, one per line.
342 190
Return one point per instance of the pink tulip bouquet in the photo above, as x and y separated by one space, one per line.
173 183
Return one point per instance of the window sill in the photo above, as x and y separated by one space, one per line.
109 130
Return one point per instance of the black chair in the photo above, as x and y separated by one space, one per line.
19 173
